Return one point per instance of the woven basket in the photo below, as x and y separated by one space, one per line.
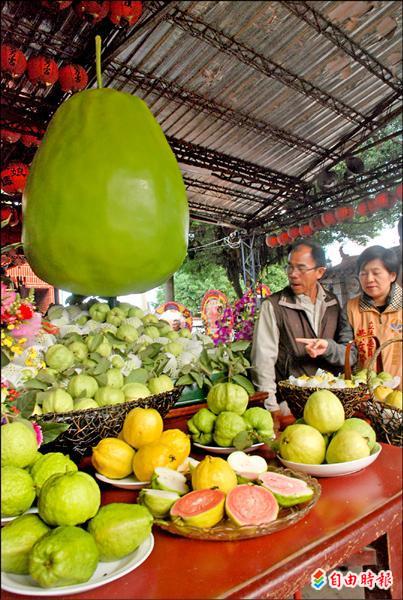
226 531
386 420
350 398
88 427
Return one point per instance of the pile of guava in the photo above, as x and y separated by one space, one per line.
62 544
103 356
227 416
324 435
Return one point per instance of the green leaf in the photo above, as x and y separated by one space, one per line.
185 380
244 439
51 431
34 384
240 346
101 367
197 378
137 376
25 403
94 342
244 382
4 359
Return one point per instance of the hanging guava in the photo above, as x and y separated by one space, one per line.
105 208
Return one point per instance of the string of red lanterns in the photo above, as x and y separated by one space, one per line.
383 200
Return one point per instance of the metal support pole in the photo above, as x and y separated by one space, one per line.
250 260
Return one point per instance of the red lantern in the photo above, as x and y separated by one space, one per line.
42 69
271 241
13 178
13 61
328 218
127 11
382 201
284 238
32 137
92 11
73 78
316 223
56 4
344 213
363 209
305 230
293 232
10 136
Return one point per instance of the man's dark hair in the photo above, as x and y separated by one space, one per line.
385 255
318 254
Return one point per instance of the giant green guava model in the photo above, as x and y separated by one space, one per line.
104 209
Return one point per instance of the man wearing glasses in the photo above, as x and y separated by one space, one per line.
303 309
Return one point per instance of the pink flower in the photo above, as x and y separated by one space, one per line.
7 296
28 329
38 432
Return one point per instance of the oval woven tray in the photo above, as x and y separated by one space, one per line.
296 397
88 427
226 531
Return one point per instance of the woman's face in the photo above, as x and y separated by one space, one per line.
375 280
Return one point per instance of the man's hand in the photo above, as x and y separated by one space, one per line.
314 347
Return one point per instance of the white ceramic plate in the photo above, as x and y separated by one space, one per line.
31 511
127 483
334 470
105 573
225 450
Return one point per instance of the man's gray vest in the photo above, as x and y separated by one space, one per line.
293 323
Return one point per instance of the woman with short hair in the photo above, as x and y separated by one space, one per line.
377 311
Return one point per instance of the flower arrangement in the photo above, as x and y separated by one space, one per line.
238 322
19 322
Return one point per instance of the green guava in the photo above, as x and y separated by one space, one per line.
362 427
109 395
152 332
227 397
59 357
174 348
134 391
64 556
302 444
18 444
17 491
158 385
79 349
345 446
127 333
57 401
111 378
119 529
115 316
17 541
51 464
82 384
69 499
324 411
85 403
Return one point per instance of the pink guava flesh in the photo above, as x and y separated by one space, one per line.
251 505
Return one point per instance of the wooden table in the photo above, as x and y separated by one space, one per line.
353 511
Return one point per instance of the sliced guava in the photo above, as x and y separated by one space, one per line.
251 505
287 490
245 465
158 502
200 508
169 481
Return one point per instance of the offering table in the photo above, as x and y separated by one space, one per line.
352 511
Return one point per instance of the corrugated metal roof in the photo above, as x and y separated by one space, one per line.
250 80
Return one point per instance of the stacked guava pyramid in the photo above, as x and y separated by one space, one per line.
63 543
325 435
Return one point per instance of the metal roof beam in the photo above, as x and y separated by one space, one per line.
234 169
384 176
262 64
173 91
322 25
219 189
